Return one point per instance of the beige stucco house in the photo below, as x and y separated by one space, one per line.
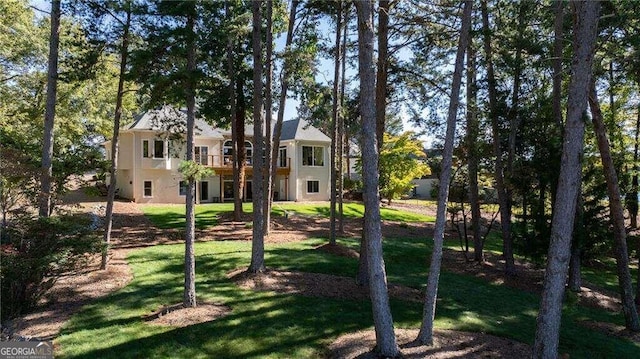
151 150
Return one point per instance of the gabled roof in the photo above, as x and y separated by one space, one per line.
169 119
299 129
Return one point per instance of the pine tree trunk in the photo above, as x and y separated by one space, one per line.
341 130
284 86
381 74
239 149
635 188
334 126
268 109
111 194
617 214
50 113
425 336
257 244
386 345
237 195
557 62
503 199
550 314
189 299
473 132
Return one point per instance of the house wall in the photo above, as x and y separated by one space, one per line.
424 186
134 170
124 183
311 173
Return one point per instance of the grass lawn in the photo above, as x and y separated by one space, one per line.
266 324
172 216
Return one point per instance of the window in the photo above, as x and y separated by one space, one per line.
158 149
183 188
148 189
227 152
312 156
313 186
282 157
145 148
248 149
202 155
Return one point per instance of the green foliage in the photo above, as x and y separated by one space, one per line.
35 253
401 161
193 171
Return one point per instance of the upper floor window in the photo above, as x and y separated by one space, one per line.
145 149
282 157
202 155
158 149
312 156
227 152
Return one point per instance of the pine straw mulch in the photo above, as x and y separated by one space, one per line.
178 315
314 285
447 344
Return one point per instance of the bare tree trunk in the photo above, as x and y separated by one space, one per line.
617 214
239 149
284 86
237 195
334 126
383 65
268 108
189 299
635 188
111 194
341 130
50 113
550 314
557 62
257 245
380 109
386 344
472 144
425 336
503 199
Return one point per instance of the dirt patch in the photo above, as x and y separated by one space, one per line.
179 316
338 250
448 344
315 285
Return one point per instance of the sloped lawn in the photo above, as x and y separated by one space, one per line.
172 216
266 324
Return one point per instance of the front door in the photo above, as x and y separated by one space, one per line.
204 191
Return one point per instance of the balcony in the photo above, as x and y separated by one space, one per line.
223 165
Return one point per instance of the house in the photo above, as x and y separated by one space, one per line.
152 147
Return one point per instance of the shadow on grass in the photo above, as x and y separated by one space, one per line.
266 324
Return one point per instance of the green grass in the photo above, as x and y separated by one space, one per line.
270 325
172 216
